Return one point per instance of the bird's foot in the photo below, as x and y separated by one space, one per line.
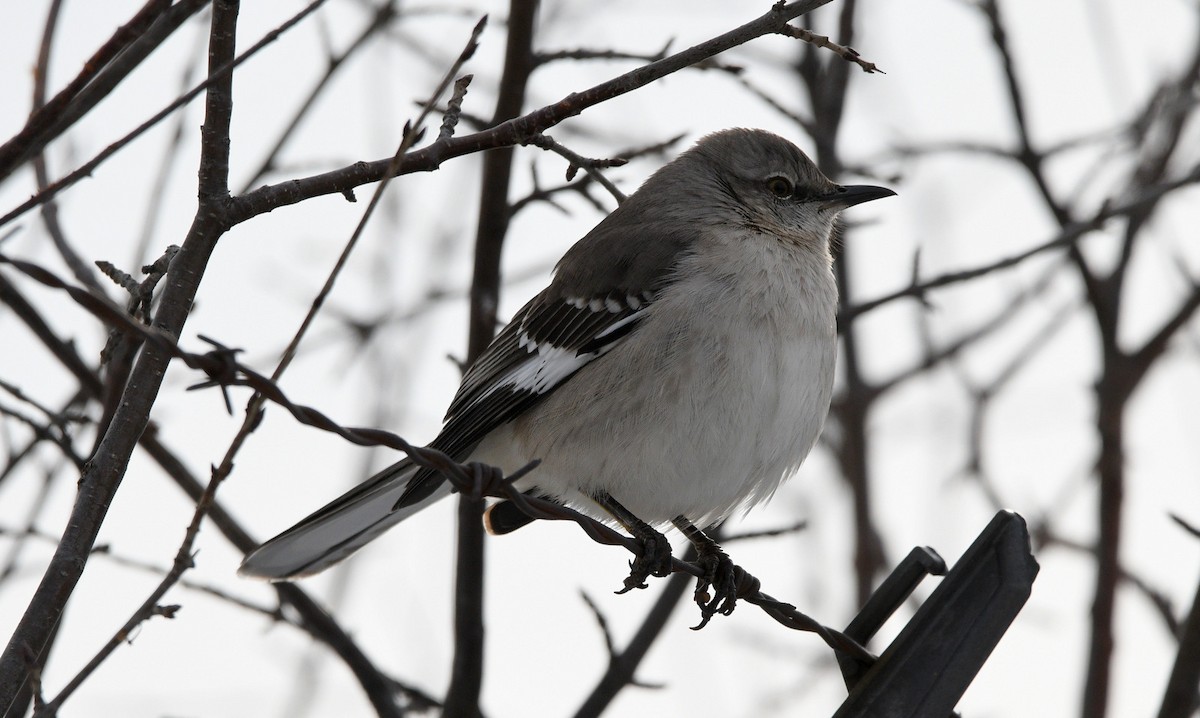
717 590
654 559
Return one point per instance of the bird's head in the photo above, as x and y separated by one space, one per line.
766 182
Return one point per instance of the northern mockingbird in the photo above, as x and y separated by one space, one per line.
678 367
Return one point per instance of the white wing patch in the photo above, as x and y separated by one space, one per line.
547 365
545 368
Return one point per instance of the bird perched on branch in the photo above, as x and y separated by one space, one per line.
678 367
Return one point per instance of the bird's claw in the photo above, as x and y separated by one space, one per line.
654 559
720 575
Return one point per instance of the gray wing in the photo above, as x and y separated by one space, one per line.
546 343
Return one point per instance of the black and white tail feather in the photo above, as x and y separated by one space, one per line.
339 528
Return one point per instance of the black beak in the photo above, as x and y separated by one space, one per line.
844 197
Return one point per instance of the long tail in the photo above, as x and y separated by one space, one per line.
340 528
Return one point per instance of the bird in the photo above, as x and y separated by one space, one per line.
677 368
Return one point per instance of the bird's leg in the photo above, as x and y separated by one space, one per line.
719 573
655 557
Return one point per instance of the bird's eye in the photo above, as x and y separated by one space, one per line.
779 186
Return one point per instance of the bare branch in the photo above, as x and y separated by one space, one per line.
383 16
1065 239
1181 697
576 162
511 132
104 472
116 58
216 75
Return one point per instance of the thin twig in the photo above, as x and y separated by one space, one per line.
215 76
148 28
1066 238
577 161
848 54
381 18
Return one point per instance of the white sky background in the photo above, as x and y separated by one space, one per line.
1087 65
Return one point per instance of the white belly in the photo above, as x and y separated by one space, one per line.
694 422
